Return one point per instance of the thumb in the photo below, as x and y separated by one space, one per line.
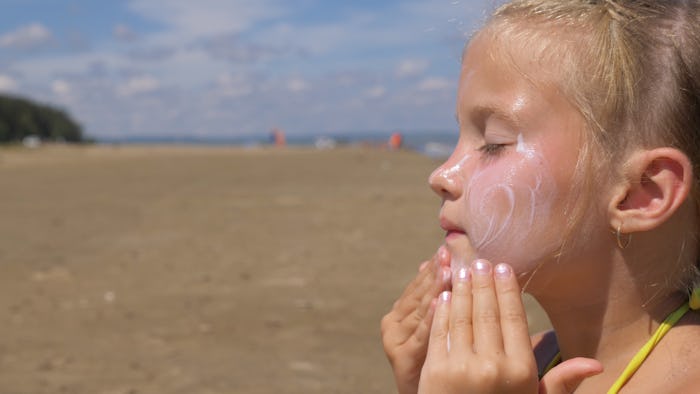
565 377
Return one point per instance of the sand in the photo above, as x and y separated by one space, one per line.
206 270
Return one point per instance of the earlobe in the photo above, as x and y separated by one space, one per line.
656 184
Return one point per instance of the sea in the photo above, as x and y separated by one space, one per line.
435 144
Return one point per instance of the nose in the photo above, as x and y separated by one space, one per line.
447 181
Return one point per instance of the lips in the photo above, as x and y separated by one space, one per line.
451 229
454 233
457 242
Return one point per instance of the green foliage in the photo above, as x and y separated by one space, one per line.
20 118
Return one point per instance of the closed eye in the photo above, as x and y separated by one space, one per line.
492 150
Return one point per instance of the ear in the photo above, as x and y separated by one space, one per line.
656 184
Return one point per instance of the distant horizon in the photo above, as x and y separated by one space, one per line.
294 138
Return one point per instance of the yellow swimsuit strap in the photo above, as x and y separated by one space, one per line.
643 353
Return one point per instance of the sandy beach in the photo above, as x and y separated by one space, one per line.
193 270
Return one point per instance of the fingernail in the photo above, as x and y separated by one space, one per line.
445 296
502 271
442 255
481 267
463 274
446 275
423 265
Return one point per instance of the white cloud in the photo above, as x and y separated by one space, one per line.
329 38
234 85
434 83
60 87
297 84
124 33
230 48
457 15
138 85
7 83
375 91
411 67
205 17
29 36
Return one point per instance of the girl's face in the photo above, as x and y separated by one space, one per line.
507 186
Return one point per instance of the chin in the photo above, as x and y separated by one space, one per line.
461 250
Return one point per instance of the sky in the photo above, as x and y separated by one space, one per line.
232 68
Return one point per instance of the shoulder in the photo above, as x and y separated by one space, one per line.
682 383
674 365
545 348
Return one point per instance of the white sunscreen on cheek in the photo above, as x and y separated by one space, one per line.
520 147
505 198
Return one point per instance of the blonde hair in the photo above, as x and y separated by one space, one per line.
631 67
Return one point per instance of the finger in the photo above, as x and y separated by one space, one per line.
485 314
516 339
413 294
567 376
426 273
409 326
439 284
443 256
429 292
435 261
461 336
421 335
439 331
412 329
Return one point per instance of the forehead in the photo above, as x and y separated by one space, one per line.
543 53
516 56
503 76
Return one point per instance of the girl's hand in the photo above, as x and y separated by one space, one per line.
479 341
406 328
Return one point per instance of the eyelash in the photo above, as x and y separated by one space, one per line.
492 150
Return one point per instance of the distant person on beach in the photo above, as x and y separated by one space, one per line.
576 179
278 138
395 141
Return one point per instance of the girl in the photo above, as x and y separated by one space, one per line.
576 179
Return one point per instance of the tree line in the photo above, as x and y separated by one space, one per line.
20 118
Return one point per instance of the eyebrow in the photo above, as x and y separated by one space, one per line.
480 113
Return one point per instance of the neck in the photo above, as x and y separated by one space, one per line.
610 329
609 317
617 303
611 332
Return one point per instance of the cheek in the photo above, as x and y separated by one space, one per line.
508 207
